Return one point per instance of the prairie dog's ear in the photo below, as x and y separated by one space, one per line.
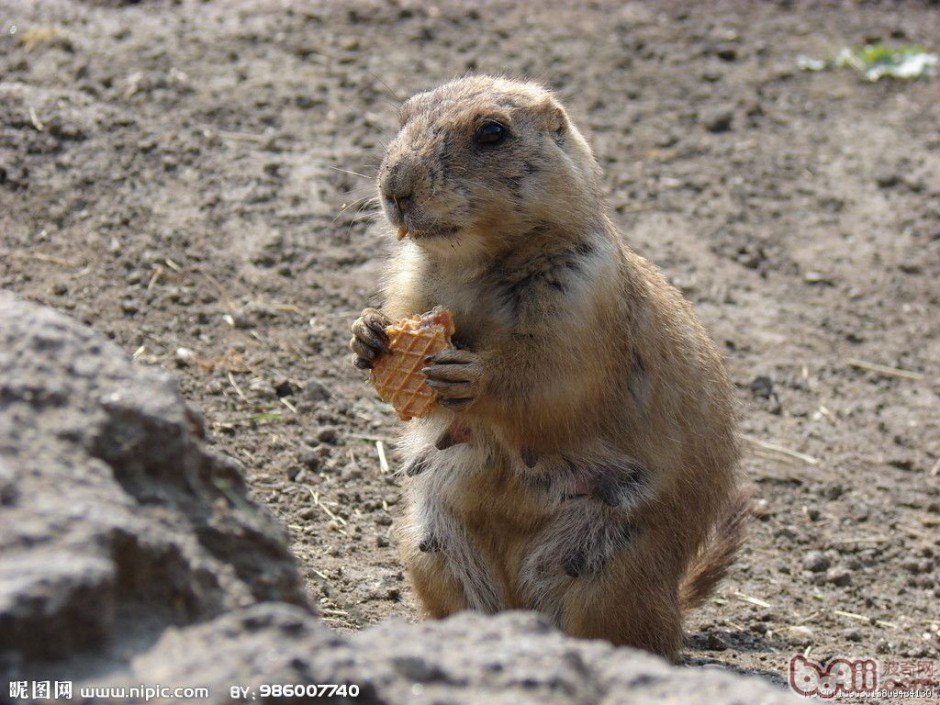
553 116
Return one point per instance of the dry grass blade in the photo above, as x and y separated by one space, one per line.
333 612
51 259
884 369
371 437
238 390
318 573
383 461
36 122
284 308
862 539
797 630
223 293
863 618
751 600
852 615
774 448
35 37
160 273
243 136
340 522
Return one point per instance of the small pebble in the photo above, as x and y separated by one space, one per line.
239 320
813 277
727 53
887 179
184 357
715 642
816 561
762 510
311 459
315 390
762 387
351 473
840 577
718 121
328 434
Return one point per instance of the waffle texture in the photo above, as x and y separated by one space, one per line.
397 375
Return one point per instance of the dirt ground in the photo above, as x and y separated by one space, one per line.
193 179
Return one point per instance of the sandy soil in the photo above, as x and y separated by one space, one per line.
193 179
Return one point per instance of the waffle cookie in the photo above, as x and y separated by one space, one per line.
397 375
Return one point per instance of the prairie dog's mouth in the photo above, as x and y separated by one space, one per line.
431 233
425 233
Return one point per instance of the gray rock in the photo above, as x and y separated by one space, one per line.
514 658
130 555
117 521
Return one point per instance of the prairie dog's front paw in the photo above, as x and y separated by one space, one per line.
369 337
456 377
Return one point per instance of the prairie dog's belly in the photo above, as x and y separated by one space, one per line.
482 517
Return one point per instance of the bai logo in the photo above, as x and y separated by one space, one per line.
839 677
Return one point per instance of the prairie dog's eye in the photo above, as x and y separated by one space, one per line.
490 134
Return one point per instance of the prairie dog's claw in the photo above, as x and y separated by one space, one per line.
369 337
455 375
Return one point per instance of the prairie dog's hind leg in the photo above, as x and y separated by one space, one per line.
599 575
438 592
632 601
447 571
582 538
597 569
595 502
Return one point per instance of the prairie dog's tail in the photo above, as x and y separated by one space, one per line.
711 564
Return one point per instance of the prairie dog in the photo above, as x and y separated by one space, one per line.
581 461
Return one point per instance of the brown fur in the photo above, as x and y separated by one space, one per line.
582 461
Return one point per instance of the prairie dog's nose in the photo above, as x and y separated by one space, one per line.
398 185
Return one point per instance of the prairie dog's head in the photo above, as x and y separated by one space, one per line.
481 163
